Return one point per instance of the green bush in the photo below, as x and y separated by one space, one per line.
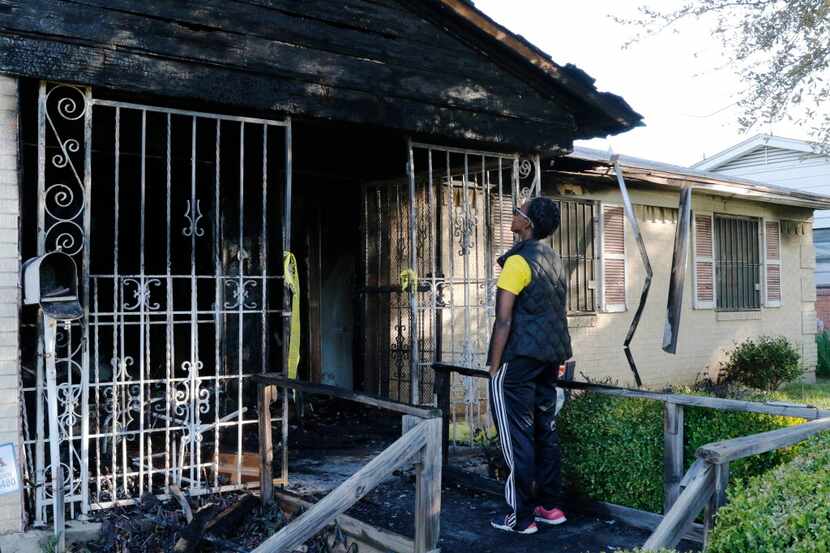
823 350
764 363
638 550
703 426
785 511
612 448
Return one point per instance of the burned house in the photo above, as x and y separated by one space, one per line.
176 150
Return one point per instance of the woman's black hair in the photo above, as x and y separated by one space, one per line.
545 216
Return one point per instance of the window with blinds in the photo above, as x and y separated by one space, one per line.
575 241
737 263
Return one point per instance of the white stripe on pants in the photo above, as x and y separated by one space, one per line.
504 438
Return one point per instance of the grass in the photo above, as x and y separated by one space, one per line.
460 433
817 394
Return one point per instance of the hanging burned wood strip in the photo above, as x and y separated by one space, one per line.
678 270
635 227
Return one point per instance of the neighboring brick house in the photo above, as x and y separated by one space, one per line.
789 163
750 272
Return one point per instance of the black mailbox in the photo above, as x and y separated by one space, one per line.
51 281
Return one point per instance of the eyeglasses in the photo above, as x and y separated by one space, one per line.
523 215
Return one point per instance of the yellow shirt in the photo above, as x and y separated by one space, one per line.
515 275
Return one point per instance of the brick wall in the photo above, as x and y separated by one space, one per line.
823 307
11 504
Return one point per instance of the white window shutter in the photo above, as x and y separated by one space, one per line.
613 258
501 218
772 263
704 261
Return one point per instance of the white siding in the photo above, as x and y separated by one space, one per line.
805 171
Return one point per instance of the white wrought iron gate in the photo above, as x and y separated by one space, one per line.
447 224
177 221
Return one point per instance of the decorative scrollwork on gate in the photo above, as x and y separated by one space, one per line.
69 399
525 168
69 343
60 197
71 480
63 188
400 349
141 294
464 228
529 177
193 229
190 399
240 293
120 367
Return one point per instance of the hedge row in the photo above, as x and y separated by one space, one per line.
612 448
784 511
823 354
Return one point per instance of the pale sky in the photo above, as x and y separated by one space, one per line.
677 80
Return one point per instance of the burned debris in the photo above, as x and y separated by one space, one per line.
233 522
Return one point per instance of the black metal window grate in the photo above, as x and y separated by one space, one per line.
737 263
575 241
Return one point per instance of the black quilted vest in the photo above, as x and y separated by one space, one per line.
540 322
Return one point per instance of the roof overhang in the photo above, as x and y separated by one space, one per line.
603 113
672 176
759 140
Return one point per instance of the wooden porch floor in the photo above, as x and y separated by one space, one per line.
465 513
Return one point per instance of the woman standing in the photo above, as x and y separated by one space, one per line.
530 340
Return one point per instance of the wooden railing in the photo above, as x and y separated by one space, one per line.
703 486
420 443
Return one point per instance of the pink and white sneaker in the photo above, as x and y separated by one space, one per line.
508 524
553 517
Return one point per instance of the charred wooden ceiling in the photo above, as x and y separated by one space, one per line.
432 67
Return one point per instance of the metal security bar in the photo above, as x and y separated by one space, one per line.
448 223
575 241
178 219
737 263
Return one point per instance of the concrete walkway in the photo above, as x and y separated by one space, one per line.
35 541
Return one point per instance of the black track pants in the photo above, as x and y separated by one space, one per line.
523 400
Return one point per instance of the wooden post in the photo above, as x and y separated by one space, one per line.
681 516
348 493
266 446
408 422
443 386
672 453
428 489
717 501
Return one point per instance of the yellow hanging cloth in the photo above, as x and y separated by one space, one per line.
409 278
292 280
